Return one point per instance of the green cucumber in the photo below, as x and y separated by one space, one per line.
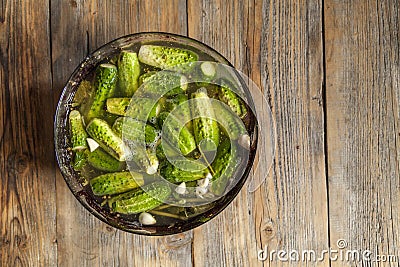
103 161
145 159
105 83
78 139
227 95
164 57
145 76
133 130
184 171
183 138
118 106
180 103
224 166
142 199
164 148
144 109
205 128
102 133
128 72
166 83
233 125
115 183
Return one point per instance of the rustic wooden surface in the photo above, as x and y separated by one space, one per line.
330 71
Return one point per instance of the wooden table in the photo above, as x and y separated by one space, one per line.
330 71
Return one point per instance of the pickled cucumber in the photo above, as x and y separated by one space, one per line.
102 133
133 130
176 133
224 166
128 72
206 130
103 161
78 139
185 171
106 79
164 57
144 109
226 95
115 183
142 199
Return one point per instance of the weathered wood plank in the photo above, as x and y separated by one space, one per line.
79 28
363 105
279 45
27 171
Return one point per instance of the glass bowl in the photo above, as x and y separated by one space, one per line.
61 132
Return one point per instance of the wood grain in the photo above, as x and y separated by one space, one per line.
336 170
279 45
363 73
79 28
27 193
296 195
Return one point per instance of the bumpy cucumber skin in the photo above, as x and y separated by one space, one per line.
178 175
115 183
105 84
204 127
133 130
78 133
145 76
140 200
234 125
183 112
226 95
165 148
128 72
139 109
103 161
165 57
100 131
184 138
224 165
145 159
78 139
118 106
164 83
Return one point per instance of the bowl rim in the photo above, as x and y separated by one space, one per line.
215 210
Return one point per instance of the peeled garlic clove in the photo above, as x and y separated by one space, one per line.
146 218
203 182
93 145
244 141
200 191
152 169
181 189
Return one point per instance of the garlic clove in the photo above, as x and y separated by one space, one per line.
203 182
146 219
93 145
181 189
152 169
200 191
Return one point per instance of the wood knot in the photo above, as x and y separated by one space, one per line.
268 231
21 241
17 163
73 3
177 241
